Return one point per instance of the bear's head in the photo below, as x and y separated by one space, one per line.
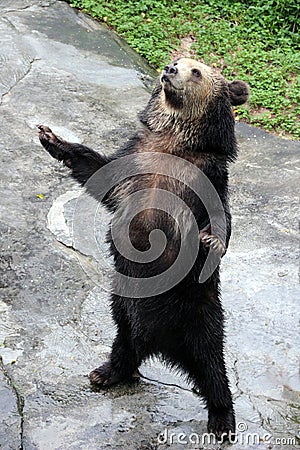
195 101
189 83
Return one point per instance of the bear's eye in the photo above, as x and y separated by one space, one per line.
196 73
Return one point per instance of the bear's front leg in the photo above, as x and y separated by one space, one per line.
82 160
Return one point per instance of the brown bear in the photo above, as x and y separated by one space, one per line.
189 119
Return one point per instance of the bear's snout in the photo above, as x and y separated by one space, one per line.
170 69
168 72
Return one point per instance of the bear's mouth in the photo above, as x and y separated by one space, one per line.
164 79
170 82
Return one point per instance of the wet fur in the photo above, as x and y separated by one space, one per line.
185 324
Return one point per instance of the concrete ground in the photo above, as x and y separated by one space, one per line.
62 69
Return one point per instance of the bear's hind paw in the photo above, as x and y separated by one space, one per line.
222 425
104 376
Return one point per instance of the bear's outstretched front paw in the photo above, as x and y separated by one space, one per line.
213 242
105 376
46 135
52 143
222 425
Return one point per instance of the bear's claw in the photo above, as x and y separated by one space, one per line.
104 376
53 144
100 376
46 134
212 241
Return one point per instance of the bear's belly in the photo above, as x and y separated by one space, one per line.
155 218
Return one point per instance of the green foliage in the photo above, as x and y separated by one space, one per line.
255 40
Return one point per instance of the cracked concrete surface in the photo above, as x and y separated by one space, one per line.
65 70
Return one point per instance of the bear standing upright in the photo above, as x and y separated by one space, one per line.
188 116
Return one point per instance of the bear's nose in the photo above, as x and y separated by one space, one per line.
170 69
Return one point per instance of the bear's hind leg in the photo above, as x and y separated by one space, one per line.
123 362
200 355
206 370
121 367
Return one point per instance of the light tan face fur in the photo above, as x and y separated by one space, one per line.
194 84
185 75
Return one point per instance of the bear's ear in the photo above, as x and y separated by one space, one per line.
238 92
